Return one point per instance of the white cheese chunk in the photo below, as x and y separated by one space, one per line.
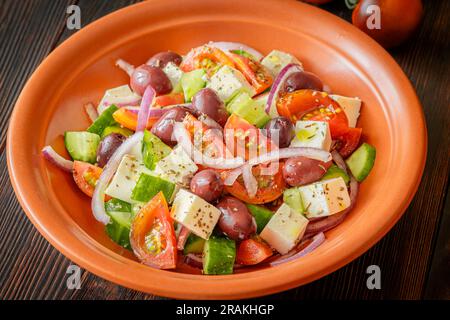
351 106
177 167
125 179
227 82
277 60
117 95
325 198
197 215
284 229
173 73
314 134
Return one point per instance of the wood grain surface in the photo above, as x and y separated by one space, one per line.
414 257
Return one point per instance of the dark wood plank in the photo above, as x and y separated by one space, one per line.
32 269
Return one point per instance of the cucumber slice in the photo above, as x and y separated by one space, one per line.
245 107
136 207
293 199
262 216
82 145
192 82
361 161
148 186
118 229
219 255
116 129
335 172
194 244
104 120
153 150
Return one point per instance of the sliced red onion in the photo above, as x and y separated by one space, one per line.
317 240
144 112
91 111
312 153
230 46
51 155
271 107
232 176
98 198
250 183
209 122
183 138
182 237
337 158
125 66
332 221
194 260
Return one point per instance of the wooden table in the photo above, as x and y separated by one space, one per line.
414 257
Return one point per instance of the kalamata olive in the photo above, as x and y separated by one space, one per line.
301 80
235 221
161 59
207 101
285 132
107 146
301 170
145 75
207 185
163 128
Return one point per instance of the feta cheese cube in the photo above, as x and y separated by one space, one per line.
284 229
197 215
227 82
351 106
325 198
173 73
177 167
277 60
117 96
314 134
125 179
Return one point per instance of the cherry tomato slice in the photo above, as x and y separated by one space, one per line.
152 235
270 187
252 251
205 57
348 142
307 104
86 176
169 99
254 72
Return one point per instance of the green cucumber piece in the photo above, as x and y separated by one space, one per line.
262 215
118 229
136 207
82 145
192 82
293 199
105 119
153 150
361 161
194 244
116 129
335 172
245 107
219 255
148 186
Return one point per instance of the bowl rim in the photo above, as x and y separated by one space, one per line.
186 286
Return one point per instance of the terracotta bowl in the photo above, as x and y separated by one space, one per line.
82 68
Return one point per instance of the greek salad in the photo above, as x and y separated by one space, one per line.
219 159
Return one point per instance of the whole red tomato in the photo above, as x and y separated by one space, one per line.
390 22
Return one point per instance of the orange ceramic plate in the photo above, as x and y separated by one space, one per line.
344 58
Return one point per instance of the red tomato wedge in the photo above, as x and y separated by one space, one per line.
252 251
270 187
127 117
86 176
307 104
244 139
255 73
207 58
348 142
152 235
169 99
